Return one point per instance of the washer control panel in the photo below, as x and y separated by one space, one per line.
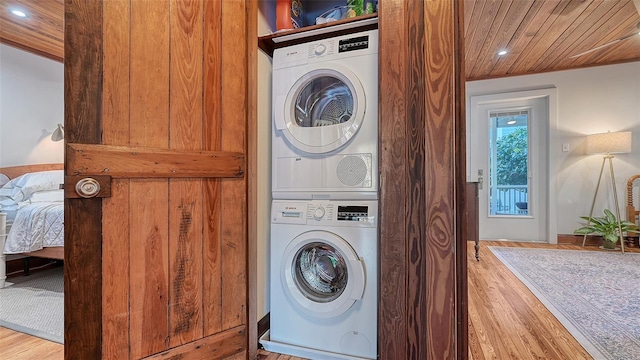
325 213
353 213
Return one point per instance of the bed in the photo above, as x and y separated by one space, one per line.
31 213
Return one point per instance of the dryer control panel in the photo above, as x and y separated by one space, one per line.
329 49
354 43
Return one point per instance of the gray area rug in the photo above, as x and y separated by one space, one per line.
34 305
594 294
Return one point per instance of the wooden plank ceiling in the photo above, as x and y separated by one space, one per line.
40 32
547 35
539 35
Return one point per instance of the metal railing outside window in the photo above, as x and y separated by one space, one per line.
510 200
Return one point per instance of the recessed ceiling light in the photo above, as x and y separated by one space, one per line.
19 13
502 52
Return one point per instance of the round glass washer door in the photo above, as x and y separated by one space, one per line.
322 274
323 110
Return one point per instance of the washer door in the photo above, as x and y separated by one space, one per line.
322 111
322 274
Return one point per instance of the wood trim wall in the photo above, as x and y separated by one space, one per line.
252 181
392 308
422 236
461 206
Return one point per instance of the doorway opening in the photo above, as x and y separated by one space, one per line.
509 152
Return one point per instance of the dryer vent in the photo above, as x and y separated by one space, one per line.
352 170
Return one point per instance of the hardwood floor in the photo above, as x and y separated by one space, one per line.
19 346
506 321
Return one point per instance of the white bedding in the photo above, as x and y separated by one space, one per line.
11 215
36 225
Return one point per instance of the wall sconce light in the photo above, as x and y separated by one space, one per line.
58 133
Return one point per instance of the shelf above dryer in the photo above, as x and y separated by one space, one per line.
268 43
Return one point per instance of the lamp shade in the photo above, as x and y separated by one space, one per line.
609 143
58 133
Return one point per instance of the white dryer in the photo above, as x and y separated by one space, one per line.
324 279
325 119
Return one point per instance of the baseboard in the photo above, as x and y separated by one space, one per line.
570 239
264 324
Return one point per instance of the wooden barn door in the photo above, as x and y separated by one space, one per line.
156 113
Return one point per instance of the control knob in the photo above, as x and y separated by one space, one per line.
320 49
318 213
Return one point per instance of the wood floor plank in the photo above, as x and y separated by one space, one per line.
506 321
16 345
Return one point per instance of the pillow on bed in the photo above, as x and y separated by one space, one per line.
22 187
3 179
47 196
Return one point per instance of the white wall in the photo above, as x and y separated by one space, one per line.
31 106
591 100
266 23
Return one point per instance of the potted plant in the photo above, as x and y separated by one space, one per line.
606 226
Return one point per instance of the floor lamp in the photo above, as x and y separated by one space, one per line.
607 144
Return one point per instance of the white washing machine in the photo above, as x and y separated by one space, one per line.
325 119
324 279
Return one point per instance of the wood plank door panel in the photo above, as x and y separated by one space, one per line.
233 194
158 269
423 286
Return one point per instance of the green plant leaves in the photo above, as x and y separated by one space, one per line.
610 217
606 226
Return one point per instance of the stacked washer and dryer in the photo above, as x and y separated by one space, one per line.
324 216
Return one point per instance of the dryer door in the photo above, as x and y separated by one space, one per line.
322 111
321 274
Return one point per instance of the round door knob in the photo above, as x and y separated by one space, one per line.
87 187
318 213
